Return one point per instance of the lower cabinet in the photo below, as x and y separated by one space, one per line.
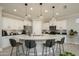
5 41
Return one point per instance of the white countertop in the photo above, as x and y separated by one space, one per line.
41 37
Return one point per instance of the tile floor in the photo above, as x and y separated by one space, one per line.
74 48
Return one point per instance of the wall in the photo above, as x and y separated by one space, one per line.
0 28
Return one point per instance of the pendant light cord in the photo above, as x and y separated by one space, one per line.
40 9
26 8
53 10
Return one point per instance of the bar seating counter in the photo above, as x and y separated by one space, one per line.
38 38
5 39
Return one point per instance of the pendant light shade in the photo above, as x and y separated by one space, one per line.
26 8
53 20
41 17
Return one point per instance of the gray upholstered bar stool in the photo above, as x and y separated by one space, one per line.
61 44
29 45
15 44
50 44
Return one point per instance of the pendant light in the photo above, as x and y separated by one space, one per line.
26 8
53 20
26 17
53 17
41 17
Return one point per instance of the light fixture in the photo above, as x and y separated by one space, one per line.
29 15
14 10
57 13
31 8
26 15
46 11
26 8
41 17
40 9
53 20
53 10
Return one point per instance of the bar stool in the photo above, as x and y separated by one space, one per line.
29 45
15 44
61 43
49 43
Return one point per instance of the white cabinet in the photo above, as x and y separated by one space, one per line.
5 41
37 27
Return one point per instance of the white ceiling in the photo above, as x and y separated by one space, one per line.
72 8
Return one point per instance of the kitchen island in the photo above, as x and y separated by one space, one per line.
40 39
5 39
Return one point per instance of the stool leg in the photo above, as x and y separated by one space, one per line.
53 51
35 51
43 51
17 51
49 50
60 48
57 47
26 51
23 50
63 47
11 51
46 51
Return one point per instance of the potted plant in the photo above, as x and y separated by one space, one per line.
72 32
67 54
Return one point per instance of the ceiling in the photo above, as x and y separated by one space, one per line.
60 10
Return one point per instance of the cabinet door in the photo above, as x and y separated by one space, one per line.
52 28
5 42
28 28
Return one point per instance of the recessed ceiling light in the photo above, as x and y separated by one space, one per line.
46 11
57 13
29 15
14 10
31 8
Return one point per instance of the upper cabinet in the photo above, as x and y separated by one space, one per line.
14 24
